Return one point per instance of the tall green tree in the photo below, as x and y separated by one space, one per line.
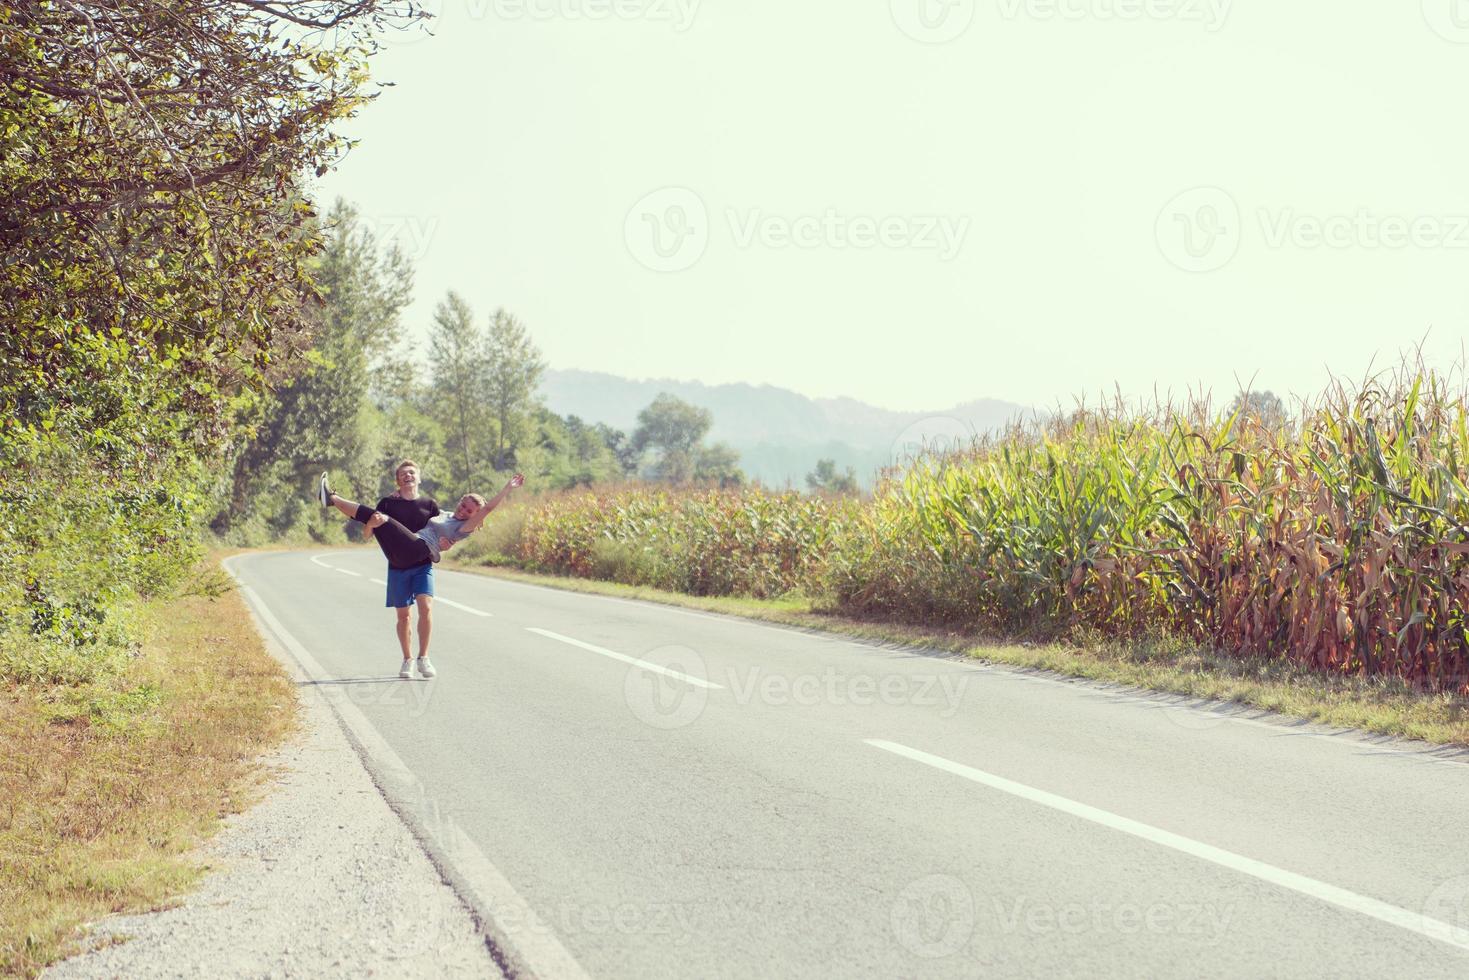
315 420
674 431
826 479
460 380
514 367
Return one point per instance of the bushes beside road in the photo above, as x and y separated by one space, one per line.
1337 541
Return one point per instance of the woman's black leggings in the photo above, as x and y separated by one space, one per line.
404 548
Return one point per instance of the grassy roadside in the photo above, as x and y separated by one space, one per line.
1382 707
105 788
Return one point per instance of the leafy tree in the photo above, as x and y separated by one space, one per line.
152 217
1264 407
155 239
513 372
718 463
315 420
675 431
826 479
460 383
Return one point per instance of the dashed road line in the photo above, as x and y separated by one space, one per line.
646 665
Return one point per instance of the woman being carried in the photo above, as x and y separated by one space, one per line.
407 548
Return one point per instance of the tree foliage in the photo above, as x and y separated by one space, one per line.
154 249
674 431
826 479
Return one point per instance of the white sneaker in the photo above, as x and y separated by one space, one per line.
425 668
323 492
406 671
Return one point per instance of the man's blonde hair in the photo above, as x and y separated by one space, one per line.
478 500
406 462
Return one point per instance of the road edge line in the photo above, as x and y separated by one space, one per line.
518 939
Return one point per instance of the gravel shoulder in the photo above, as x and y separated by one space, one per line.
320 878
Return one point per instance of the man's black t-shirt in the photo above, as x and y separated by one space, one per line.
412 514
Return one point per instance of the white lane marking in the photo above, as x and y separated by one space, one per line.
377 581
696 681
519 931
346 572
459 605
1391 914
317 561
1081 685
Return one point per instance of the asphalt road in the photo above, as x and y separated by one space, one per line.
622 789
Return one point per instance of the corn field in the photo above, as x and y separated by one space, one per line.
1336 539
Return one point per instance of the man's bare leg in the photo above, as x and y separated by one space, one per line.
403 630
425 624
425 627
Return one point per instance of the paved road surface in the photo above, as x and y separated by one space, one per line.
622 789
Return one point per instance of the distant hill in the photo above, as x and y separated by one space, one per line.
780 434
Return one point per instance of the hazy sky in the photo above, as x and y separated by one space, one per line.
921 202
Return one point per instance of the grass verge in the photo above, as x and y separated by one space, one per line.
106 787
1378 706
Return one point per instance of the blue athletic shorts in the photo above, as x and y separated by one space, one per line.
405 583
